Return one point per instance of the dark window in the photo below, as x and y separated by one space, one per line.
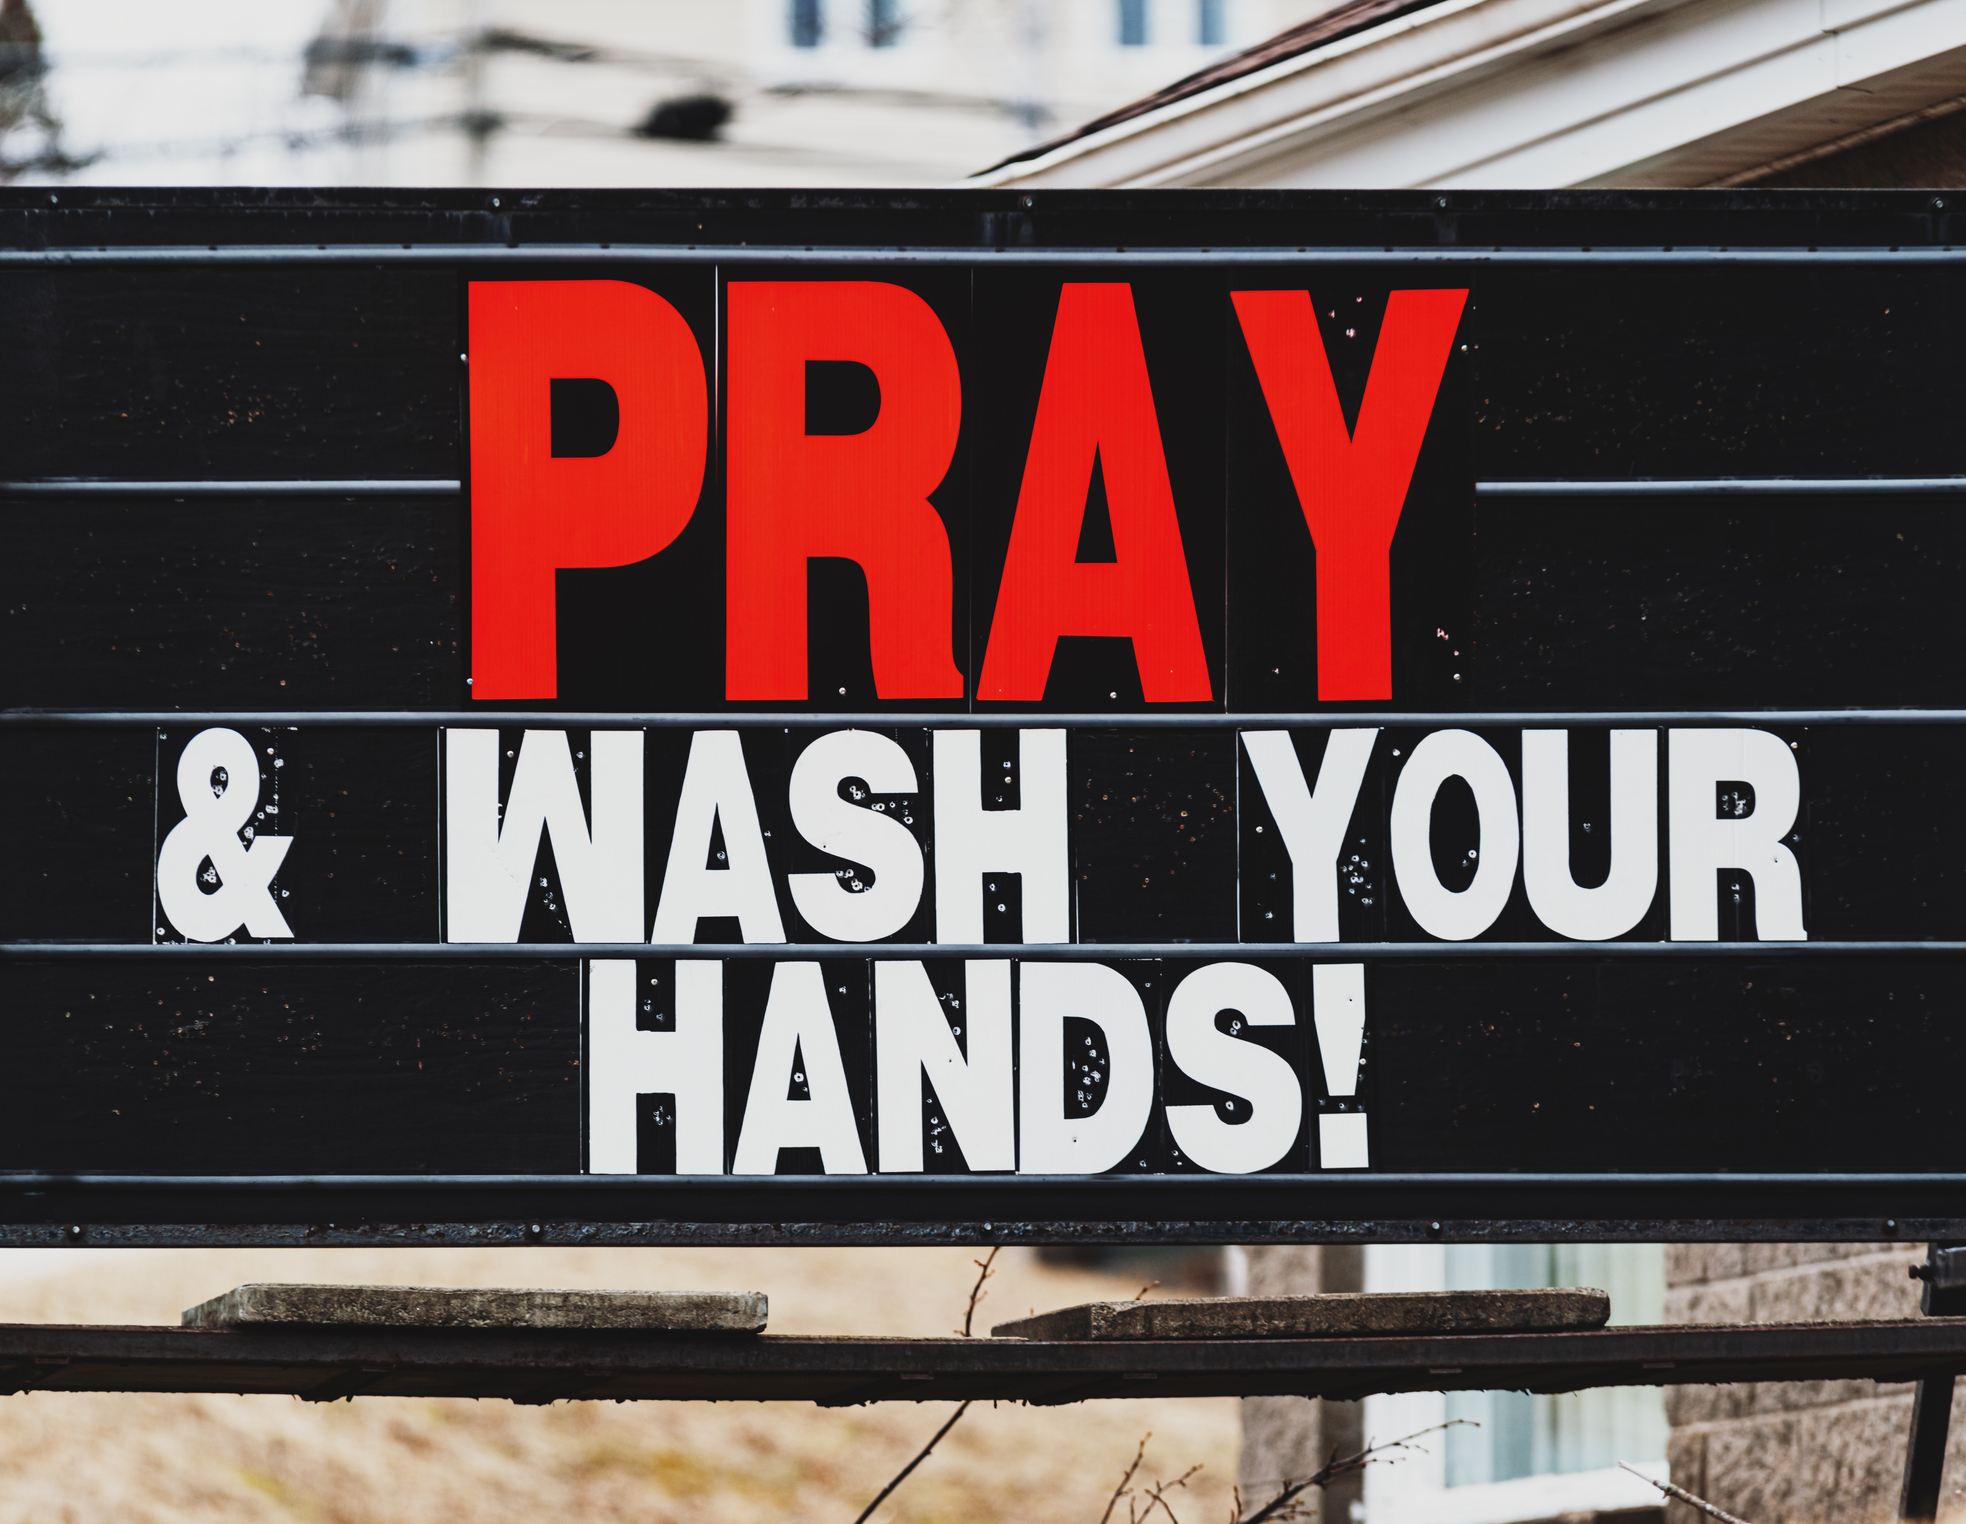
1211 26
1133 23
808 23
883 23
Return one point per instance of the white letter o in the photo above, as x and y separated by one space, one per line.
1451 916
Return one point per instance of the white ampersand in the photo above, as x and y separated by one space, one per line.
214 812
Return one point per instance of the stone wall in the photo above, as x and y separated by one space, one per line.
1799 1452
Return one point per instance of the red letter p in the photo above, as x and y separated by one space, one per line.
533 513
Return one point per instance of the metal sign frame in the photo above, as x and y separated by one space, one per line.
138 234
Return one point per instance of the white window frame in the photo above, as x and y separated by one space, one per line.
1411 1486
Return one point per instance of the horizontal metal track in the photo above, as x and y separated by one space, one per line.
97 486
1735 486
547 719
61 1220
1717 486
1348 952
782 254
538 1366
64 1221
13 1181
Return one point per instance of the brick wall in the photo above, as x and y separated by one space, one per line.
1798 1452
1803 1452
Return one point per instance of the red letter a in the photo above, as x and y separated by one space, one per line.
861 496
532 513
1095 403
1351 484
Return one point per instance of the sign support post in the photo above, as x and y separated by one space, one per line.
1944 1275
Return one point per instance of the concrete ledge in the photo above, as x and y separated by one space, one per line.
266 1302
1332 1314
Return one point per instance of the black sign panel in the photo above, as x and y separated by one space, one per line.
628 720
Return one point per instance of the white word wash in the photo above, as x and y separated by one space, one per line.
864 836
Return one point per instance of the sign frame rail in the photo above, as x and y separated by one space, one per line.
527 1367
488 253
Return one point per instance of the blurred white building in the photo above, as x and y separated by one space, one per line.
1523 94
515 92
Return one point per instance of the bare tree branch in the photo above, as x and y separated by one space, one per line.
1281 1506
1121 1490
1686 1497
1156 1494
976 1292
969 1317
902 1475
1145 1289
1275 1508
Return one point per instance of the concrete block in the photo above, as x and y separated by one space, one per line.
1331 1315
1838 1291
1686 1405
1685 1264
1794 1396
1952 1496
1751 1471
1854 1453
1713 1302
263 1303
1758 1259
1686 1455
1688 1264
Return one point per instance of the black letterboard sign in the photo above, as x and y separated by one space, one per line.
640 717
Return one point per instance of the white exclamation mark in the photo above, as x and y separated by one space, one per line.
1338 1008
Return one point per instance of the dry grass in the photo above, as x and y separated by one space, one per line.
133 1459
